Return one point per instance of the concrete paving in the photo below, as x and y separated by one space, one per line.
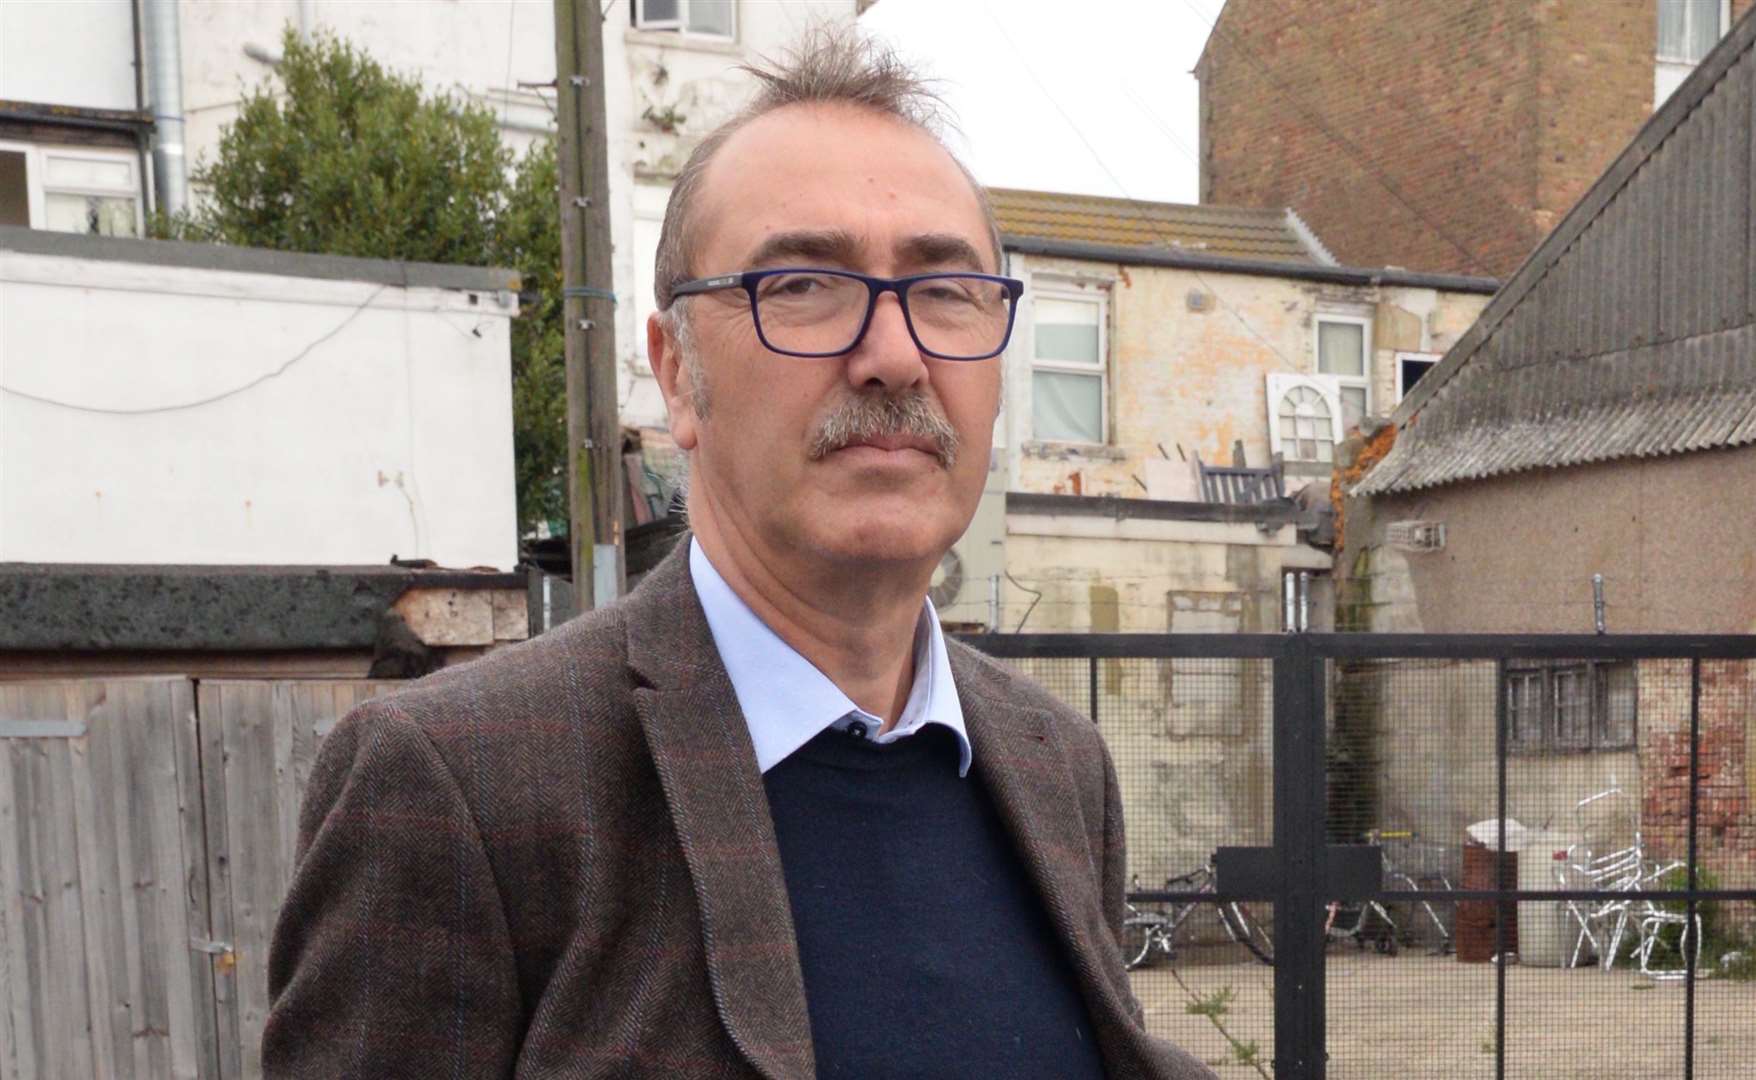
1418 1016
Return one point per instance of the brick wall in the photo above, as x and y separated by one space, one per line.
1435 134
1726 834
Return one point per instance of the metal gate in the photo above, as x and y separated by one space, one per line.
1463 855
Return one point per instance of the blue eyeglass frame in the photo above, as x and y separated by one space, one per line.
875 287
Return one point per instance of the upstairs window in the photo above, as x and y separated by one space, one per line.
710 18
1689 29
1303 414
1344 346
1069 340
90 191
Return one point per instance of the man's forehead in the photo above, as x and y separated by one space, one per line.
821 176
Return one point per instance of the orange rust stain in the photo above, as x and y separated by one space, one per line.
1127 281
1077 481
1375 450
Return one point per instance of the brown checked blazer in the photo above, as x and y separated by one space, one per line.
557 861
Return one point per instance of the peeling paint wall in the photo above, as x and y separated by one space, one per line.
1191 738
1189 353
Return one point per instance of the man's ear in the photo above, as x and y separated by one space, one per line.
666 358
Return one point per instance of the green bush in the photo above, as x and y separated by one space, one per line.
335 155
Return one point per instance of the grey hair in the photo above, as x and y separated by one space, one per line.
829 65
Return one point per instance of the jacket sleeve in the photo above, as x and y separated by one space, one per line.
1115 873
391 955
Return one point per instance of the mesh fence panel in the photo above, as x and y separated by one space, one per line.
1597 770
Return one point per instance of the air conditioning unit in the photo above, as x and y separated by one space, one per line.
1416 535
963 585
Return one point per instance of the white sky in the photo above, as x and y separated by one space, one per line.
1117 69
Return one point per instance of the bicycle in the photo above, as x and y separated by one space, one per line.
1150 931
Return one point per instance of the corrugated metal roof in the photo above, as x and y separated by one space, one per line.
1229 231
1631 331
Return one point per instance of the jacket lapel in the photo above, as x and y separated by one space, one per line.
701 748
1018 759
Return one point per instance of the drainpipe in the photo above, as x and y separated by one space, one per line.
307 19
142 136
165 66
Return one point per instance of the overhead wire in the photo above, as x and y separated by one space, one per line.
1138 206
211 398
1302 104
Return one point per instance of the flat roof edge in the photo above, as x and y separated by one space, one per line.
184 255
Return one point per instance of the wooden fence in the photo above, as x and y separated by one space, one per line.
147 829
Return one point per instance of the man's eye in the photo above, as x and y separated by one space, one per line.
794 285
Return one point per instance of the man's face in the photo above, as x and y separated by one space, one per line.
840 188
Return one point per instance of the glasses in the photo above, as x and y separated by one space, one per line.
815 313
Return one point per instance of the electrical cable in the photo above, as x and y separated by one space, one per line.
212 398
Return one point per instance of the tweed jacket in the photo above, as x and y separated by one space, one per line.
557 861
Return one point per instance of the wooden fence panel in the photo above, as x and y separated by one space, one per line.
102 891
266 735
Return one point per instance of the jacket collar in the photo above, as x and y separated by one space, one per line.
706 764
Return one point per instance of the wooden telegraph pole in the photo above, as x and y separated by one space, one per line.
594 432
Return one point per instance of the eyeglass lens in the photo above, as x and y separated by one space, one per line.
953 315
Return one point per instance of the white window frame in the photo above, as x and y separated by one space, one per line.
1431 359
1363 380
1725 21
1079 292
36 170
680 24
1279 384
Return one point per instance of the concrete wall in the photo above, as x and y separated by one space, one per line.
664 92
1462 161
1195 380
56 53
1676 544
1192 739
204 415
1673 537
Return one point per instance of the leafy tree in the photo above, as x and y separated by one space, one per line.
336 155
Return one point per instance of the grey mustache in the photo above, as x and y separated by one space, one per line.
871 416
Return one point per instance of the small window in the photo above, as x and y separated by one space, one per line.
1410 366
1068 365
80 191
712 18
1570 707
1303 411
1689 29
1344 349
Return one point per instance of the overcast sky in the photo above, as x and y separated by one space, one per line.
1089 96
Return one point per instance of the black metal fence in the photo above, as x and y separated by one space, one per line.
1433 856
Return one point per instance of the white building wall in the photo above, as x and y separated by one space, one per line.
58 52
159 414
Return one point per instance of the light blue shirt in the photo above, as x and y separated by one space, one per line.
787 702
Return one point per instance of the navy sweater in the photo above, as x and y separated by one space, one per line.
925 948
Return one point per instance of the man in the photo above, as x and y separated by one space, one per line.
760 818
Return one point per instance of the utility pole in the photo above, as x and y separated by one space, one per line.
594 431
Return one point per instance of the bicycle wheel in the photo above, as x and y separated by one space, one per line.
1139 935
1248 931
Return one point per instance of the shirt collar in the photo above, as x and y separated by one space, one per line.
786 701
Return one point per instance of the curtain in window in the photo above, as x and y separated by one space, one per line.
712 17
1687 29
1341 348
1066 331
1067 407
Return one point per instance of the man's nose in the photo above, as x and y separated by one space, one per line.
887 357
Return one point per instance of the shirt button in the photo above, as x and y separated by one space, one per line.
857 729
